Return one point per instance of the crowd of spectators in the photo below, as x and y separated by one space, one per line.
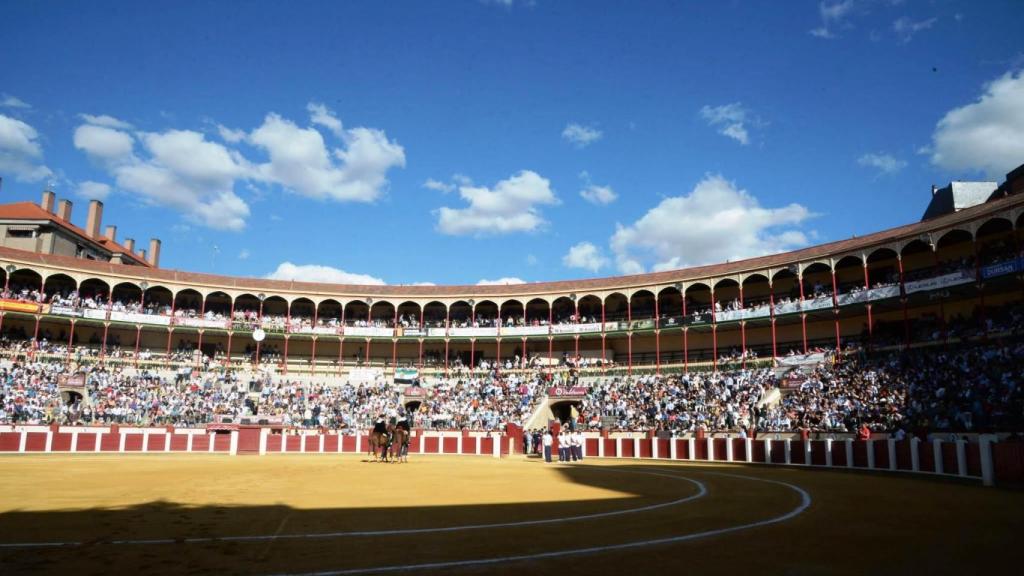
967 389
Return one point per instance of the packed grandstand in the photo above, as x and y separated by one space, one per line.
911 330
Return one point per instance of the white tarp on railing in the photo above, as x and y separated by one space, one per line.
372 331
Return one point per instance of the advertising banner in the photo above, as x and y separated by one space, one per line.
525 330
371 331
95 313
136 318
576 328
574 392
1002 268
944 281
64 310
463 332
201 323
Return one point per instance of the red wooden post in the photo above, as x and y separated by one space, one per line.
803 315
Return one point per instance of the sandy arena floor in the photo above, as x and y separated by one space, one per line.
281 514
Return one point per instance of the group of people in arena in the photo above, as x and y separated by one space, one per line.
969 387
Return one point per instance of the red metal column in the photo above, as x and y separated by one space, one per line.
170 333
341 346
446 354
394 352
903 302
227 352
867 287
803 315
942 305
498 358
71 338
472 353
981 290
603 360
286 338
686 344
743 332
714 346
657 338
138 336
312 360
629 332
369 344
103 345
771 313
835 312
420 364
714 333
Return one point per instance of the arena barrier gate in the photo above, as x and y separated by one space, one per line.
986 460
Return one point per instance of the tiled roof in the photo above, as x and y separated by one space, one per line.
32 211
253 285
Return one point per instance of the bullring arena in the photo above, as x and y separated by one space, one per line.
853 407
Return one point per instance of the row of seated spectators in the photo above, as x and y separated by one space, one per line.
29 393
974 387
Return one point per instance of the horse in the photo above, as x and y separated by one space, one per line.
400 445
378 447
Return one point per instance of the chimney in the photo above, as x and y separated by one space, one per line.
95 218
129 245
47 202
111 233
64 210
141 254
154 252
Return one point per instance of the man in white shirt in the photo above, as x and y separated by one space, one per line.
548 440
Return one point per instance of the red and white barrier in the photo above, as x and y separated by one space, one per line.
985 460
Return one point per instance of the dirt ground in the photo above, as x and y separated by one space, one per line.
300 514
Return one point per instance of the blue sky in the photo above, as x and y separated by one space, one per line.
452 142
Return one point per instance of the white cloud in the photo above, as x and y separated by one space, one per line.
598 194
301 162
716 222
8 101
230 135
586 256
438 186
601 195
905 28
832 14
320 115
730 119
318 273
93 190
505 281
244 254
984 136
181 170
103 143
581 136
511 206
106 121
885 163
20 152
